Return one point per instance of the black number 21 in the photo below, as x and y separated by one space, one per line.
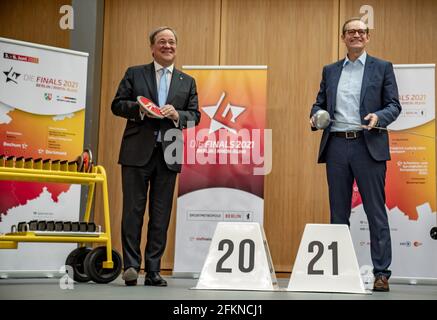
333 247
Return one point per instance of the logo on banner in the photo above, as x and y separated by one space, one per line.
48 96
417 243
11 75
233 110
406 243
19 57
66 99
411 243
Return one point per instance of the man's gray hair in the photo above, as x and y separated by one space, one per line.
158 30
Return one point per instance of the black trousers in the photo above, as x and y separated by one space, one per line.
349 159
136 182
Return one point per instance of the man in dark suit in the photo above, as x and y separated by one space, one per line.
359 89
151 151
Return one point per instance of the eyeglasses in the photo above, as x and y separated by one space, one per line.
351 32
163 42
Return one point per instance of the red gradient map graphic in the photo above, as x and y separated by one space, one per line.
410 180
29 135
17 193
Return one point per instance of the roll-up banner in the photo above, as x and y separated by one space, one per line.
42 113
410 182
225 162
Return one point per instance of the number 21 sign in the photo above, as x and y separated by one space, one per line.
326 261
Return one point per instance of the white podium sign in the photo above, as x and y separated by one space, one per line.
238 259
326 261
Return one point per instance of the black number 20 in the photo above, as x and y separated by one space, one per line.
230 249
333 246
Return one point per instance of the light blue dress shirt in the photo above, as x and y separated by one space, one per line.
347 108
158 74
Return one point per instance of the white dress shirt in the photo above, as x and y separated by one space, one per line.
347 107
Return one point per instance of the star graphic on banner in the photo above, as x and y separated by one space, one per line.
211 111
14 74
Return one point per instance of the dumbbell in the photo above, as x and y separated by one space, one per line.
50 226
22 226
75 226
83 227
42 225
91 227
67 226
33 225
59 226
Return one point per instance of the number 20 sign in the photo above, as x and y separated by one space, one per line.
238 259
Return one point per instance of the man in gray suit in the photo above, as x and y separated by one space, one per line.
143 147
359 89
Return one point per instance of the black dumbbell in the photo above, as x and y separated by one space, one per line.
33 225
83 227
75 226
50 226
42 225
59 226
67 226
91 227
22 226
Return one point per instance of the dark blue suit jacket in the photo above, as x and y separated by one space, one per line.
379 95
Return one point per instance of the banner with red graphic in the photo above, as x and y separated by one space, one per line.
42 113
410 181
225 159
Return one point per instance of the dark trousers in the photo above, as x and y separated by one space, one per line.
136 181
349 159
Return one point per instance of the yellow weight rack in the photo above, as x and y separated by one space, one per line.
98 175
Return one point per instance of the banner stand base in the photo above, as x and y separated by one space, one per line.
14 274
186 275
413 281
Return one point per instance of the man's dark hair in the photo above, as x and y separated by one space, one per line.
350 20
158 30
